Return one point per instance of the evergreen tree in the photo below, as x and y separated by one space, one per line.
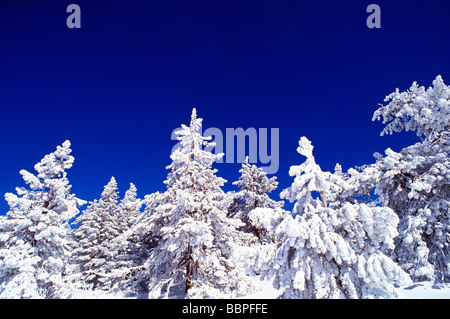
142 239
310 179
34 253
130 207
254 186
95 241
260 215
333 251
133 251
415 181
195 238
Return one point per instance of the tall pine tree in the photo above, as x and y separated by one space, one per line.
196 239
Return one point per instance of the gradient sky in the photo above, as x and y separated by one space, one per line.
117 87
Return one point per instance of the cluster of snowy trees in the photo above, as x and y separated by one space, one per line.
353 234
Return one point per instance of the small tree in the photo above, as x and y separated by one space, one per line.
333 252
260 215
95 241
254 186
34 253
130 207
310 179
132 250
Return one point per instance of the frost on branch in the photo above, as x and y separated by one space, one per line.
310 178
335 251
252 197
426 111
195 240
93 240
34 250
415 181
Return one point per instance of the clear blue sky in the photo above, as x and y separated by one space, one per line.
117 87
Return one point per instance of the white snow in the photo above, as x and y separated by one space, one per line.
425 290
267 292
418 290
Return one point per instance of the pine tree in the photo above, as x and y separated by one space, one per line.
95 241
34 253
333 250
253 193
310 179
195 238
415 181
142 239
133 250
260 215
129 207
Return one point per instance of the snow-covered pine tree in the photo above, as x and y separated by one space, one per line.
34 252
415 182
132 250
333 252
95 241
195 238
130 207
260 215
253 193
142 239
310 179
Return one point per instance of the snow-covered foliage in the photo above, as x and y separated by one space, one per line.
333 252
353 234
130 208
132 248
195 238
260 215
425 111
415 182
310 178
252 197
107 252
95 241
34 250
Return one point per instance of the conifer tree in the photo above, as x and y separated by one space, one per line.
310 179
142 238
253 193
195 238
129 207
260 215
94 239
333 252
415 181
132 250
34 253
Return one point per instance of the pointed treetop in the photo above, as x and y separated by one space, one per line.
196 123
110 189
130 198
310 178
194 114
112 181
305 147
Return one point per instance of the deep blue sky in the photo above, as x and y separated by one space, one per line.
117 87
